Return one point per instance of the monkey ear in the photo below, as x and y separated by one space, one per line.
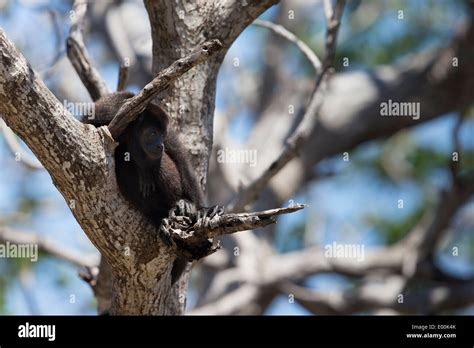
158 113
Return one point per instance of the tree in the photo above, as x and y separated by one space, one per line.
188 49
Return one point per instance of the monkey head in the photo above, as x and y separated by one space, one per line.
150 129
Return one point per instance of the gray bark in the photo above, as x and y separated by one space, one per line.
79 157
177 28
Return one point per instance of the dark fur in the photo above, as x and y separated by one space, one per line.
152 186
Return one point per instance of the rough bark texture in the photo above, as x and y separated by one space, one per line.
135 105
78 55
177 29
350 115
428 78
79 159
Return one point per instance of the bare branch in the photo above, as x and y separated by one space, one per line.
29 161
130 110
232 303
371 296
301 264
76 156
410 256
194 240
390 261
231 223
293 145
229 19
78 55
48 246
333 23
122 80
48 70
420 244
328 11
288 35
221 284
342 127
302 132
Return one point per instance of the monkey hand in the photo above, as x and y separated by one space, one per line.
181 230
182 216
183 208
206 217
185 213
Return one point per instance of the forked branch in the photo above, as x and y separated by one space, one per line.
130 110
197 239
78 55
250 193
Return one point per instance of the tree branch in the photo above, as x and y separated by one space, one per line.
48 246
197 239
410 256
230 304
427 300
300 135
79 158
78 55
130 110
428 78
191 99
420 244
288 35
122 80
333 20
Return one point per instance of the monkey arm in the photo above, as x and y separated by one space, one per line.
105 108
190 185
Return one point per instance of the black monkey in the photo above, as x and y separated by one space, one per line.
152 168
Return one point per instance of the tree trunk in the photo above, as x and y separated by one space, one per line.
177 29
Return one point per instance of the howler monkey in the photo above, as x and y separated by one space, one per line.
153 171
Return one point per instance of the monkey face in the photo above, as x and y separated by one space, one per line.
146 141
152 141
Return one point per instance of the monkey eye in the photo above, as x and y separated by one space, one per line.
152 132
